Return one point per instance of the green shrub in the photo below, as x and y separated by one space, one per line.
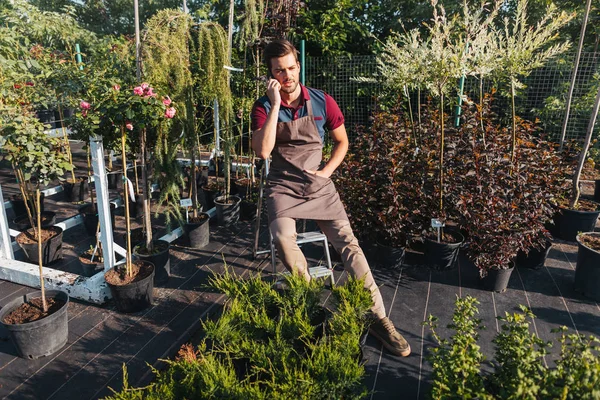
519 368
271 344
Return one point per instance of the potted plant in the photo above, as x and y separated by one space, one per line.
580 215
37 160
272 344
132 283
91 260
504 205
519 366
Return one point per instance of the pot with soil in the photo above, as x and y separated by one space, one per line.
158 256
247 210
22 223
198 231
34 333
245 186
568 222
136 209
228 209
113 179
496 280
535 258
51 244
18 204
91 261
388 255
89 213
75 192
442 255
587 271
131 293
210 191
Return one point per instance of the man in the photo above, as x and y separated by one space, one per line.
288 124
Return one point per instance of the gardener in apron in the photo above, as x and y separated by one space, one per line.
288 124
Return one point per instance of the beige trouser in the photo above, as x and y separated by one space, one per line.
339 233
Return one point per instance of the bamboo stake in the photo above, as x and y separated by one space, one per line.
89 165
39 238
147 222
128 266
442 153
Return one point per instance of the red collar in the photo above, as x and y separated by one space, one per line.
303 95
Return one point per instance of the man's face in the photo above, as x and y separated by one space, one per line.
287 71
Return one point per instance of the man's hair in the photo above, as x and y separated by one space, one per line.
278 48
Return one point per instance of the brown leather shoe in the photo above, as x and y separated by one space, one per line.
384 331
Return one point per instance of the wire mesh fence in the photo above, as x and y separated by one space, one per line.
543 97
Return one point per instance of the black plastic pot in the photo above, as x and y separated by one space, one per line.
247 210
42 337
228 214
18 205
88 267
75 192
113 180
535 258
160 259
22 222
389 256
134 296
570 222
207 198
47 117
90 218
51 248
597 190
587 271
496 280
136 209
198 231
442 255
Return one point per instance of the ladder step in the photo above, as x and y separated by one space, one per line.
309 237
316 272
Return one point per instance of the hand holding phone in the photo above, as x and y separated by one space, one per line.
273 88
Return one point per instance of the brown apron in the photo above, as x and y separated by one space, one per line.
292 192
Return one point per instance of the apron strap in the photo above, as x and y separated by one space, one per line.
309 109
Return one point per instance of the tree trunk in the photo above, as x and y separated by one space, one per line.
67 143
194 177
574 75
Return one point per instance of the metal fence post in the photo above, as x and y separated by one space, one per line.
5 241
101 182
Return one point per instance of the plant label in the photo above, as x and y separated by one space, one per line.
436 223
185 202
131 190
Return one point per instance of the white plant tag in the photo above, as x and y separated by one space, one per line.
185 202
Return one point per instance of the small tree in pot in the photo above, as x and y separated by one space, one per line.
37 160
142 111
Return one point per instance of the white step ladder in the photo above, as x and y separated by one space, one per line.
302 238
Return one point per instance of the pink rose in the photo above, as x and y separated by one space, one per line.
170 112
84 105
84 113
149 92
116 88
138 90
167 101
129 126
145 86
